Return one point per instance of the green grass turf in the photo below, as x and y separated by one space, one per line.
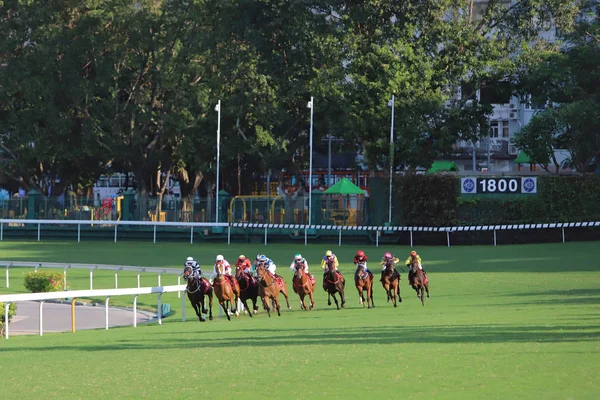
503 323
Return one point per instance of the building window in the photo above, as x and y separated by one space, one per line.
499 129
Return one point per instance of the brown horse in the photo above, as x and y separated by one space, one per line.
419 282
391 282
334 283
268 288
225 291
248 289
196 290
303 286
363 280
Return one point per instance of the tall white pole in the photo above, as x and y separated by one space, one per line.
312 108
218 160
391 161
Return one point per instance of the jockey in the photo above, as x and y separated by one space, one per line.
226 268
300 262
411 257
361 259
329 256
387 259
196 271
245 264
268 263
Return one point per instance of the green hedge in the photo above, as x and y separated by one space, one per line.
435 200
12 311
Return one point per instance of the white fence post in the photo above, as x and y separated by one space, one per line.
229 235
41 318
65 276
563 234
179 283
154 240
35 269
92 277
106 312
494 237
182 307
2 231
6 308
7 275
159 308
265 235
39 231
192 234
117 277
340 237
78 233
159 274
376 238
135 311
116 233
448 237
305 236
411 238
138 277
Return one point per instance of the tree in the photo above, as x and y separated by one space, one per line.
567 78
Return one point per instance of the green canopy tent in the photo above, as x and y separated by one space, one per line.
523 158
345 187
443 166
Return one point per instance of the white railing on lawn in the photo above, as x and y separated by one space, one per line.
92 268
308 229
108 293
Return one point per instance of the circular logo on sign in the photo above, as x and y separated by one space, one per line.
468 185
529 185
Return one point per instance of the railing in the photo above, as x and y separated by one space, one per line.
92 268
309 230
108 293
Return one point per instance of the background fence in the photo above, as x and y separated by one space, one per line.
273 233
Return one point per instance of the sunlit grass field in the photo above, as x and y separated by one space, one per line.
505 322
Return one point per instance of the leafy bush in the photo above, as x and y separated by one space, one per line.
44 281
12 311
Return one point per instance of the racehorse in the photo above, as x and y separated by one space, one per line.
269 288
391 282
419 282
196 290
303 286
363 280
225 292
334 283
248 289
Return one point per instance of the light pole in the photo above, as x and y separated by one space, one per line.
312 109
391 104
218 110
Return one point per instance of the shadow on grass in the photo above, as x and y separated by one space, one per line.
449 334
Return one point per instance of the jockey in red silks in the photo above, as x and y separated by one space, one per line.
387 259
360 259
245 264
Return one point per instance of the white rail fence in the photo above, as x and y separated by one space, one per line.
297 228
107 293
92 268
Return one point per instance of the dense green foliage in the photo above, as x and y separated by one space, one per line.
113 85
435 200
12 311
485 332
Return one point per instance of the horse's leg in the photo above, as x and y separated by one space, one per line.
422 294
335 299
398 291
342 296
310 295
210 299
245 303
370 293
277 307
265 300
361 298
427 289
201 308
284 291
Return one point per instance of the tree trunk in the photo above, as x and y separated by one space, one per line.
188 184
163 186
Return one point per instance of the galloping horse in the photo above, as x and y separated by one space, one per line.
419 282
391 282
363 280
248 289
334 283
196 290
225 292
303 286
268 288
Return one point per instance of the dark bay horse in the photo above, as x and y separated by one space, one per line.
248 289
196 290
303 286
225 291
334 283
419 281
363 280
268 289
391 282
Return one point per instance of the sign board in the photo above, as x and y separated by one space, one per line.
504 185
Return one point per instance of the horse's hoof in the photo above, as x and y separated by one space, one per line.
395 305
289 307
204 311
237 314
210 318
255 312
